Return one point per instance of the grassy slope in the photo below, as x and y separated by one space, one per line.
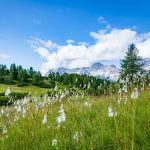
34 90
130 129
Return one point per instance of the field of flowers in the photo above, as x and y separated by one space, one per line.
120 121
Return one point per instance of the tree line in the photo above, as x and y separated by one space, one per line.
18 75
132 74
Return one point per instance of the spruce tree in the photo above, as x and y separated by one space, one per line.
131 65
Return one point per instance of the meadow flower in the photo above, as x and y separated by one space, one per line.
54 142
119 100
61 118
125 89
4 130
82 95
24 112
125 102
44 119
120 91
77 136
135 94
8 91
88 86
111 113
88 104
2 111
19 108
142 89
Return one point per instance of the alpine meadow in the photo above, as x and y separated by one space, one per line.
76 95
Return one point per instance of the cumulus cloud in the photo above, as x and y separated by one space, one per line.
70 41
110 44
102 20
4 56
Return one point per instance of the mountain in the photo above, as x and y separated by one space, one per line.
96 69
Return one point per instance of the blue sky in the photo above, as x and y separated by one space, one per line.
61 20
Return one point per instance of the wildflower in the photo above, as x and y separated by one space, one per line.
111 113
142 89
24 112
62 117
135 94
82 95
124 89
119 100
88 86
4 130
44 119
125 102
19 108
2 111
77 136
120 91
8 91
54 142
88 104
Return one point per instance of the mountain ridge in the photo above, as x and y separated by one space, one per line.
98 70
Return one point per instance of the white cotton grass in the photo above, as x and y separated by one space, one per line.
77 136
44 119
8 92
18 108
135 94
125 100
125 89
54 142
111 113
62 117
87 104
4 130
2 111
119 100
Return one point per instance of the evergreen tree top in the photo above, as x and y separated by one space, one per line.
132 64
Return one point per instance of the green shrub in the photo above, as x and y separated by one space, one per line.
5 100
8 100
16 96
2 94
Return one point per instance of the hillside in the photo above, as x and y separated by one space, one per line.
77 123
98 70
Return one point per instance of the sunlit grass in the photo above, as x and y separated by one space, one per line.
34 90
86 126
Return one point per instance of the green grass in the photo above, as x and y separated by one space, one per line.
130 129
34 90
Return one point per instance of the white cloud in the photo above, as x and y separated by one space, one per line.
102 20
110 44
70 41
4 56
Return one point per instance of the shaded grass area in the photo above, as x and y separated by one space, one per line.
130 129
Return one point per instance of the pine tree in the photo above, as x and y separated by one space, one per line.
13 72
131 65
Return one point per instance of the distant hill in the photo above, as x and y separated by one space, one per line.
98 70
